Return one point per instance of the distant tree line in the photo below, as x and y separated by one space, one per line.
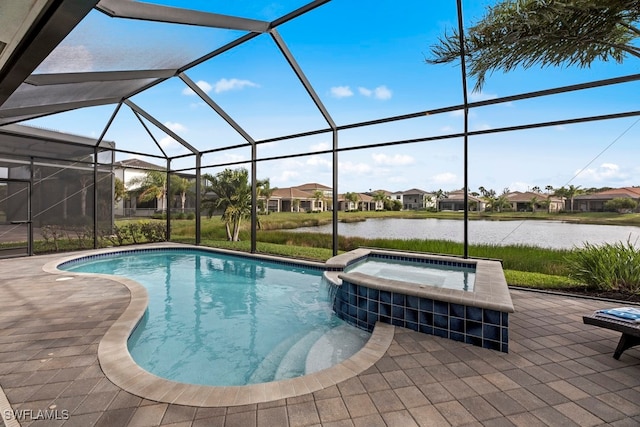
229 192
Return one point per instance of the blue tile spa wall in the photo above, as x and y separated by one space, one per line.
363 307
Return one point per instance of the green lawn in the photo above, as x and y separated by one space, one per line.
527 266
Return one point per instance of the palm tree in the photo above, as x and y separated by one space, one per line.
548 189
318 197
265 190
233 196
563 194
533 202
525 33
439 196
502 201
379 197
352 198
489 198
153 185
573 191
181 186
296 204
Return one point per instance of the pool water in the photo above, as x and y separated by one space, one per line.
441 276
217 319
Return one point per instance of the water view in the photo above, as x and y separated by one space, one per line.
546 234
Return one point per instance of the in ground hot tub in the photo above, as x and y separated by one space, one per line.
464 300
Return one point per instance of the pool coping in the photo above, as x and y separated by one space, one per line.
490 289
120 368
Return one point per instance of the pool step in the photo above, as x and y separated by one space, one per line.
311 352
335 346
294 361
266 370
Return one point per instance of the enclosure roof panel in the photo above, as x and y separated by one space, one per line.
50 99
45 143
151 12
138 164
29 31
111 52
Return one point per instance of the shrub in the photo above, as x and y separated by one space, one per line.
621 205
121 234
108 237
53 233
84 236
133 230
611 266
154 231
191 216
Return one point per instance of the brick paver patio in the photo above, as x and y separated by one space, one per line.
558 371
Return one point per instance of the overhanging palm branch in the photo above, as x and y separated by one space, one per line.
525 33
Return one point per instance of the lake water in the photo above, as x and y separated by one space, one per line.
548 234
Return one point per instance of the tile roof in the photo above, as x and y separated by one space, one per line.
631 192
312 186
138 164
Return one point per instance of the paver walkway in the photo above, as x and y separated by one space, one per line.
558 372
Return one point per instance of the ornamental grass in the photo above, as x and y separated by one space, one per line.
607 267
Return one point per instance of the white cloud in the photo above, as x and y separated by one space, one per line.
269 145
445 178
224 85
395 160
364 91
318 161
205 86
381 92
518 186
606 171
169 143
287 176
234 158
341 92
176 127
321 146
398 179
230 158
352 168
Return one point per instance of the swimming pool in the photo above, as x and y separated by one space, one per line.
219 319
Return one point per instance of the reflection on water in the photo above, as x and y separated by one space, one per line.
548 234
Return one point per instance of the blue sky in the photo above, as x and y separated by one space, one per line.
365 61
